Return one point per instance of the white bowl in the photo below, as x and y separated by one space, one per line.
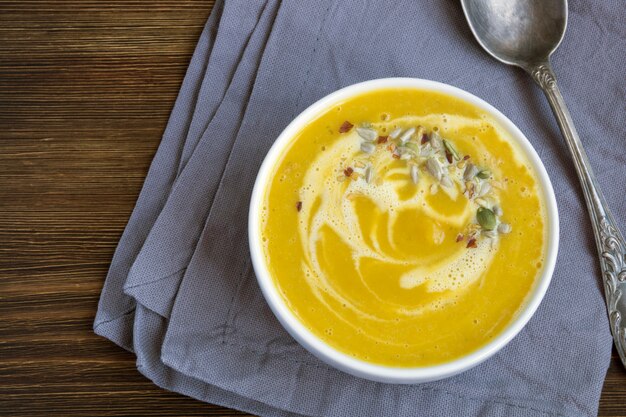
350 364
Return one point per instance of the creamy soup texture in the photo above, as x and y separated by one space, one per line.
382 237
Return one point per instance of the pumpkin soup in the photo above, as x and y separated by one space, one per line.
404 227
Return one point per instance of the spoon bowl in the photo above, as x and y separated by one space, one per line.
517 32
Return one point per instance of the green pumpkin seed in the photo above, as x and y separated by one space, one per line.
484 174
486 218
450 148
413 146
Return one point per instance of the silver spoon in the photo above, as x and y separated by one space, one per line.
525 33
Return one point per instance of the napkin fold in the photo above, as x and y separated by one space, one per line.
222 344
239 19
156 273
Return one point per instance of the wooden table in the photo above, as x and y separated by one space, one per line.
86 88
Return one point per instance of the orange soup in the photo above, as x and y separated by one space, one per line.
404 227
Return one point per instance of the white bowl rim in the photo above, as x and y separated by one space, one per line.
343 361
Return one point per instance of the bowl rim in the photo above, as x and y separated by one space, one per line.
343 361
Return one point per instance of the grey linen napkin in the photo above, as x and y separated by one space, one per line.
239 19
155 275
215 59
148 328
221 331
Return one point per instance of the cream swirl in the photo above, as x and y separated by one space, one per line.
336 211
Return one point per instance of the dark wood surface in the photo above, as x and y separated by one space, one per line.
86 88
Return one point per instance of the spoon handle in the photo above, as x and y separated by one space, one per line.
610 242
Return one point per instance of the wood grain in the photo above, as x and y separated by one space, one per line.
86 88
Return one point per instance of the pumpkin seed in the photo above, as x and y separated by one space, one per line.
368 174
434 168
367 134
486 218
395 133
450 147
504 228
414 174
405 150
435 140
447 182
413 147
426 151
483 174
407 135
368 147
491 234
470 172
485 187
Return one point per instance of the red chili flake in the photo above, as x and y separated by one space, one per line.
348 171
459 237
391 147
472 243
382 139
449 156
395 156
466 157
345 127
299 205
425 138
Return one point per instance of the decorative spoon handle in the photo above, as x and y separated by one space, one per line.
610 242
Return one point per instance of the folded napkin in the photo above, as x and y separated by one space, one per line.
155 275
202 327
202 91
